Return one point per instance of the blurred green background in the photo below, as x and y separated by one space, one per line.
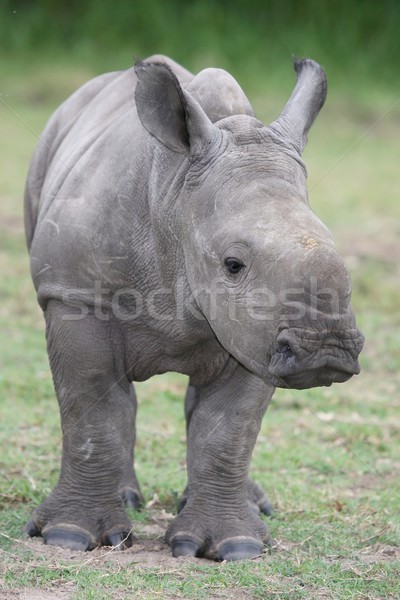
354 39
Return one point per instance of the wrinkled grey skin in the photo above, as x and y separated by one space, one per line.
143 184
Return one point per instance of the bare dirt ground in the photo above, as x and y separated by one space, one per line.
149 552
155 554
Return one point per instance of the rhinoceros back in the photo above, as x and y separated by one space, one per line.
48 151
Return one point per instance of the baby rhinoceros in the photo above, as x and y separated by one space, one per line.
169 230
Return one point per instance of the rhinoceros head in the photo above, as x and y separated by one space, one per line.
261 266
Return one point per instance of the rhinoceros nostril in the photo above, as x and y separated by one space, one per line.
286 351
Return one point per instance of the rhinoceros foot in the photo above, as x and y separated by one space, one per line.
198 530
75 523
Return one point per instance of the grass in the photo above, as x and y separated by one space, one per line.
328 458
253 37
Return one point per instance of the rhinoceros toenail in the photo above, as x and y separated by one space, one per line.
184 547
266 508
73 540
121 540
32 529
131 499
232 550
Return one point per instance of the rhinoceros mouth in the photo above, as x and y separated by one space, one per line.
330 359
311 378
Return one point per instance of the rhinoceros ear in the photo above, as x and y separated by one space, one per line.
304 104
169 113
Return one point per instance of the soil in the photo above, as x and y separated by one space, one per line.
150 552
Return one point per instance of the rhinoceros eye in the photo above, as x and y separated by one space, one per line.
234 265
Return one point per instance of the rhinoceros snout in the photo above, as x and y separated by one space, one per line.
304 359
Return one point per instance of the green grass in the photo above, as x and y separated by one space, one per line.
356 43
328 458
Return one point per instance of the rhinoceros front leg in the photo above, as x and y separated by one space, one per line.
255 494
217 520
97 408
